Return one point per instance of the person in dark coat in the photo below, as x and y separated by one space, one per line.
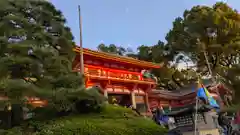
224 122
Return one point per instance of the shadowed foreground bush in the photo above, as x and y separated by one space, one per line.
111 121
90 126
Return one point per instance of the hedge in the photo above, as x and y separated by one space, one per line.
112 121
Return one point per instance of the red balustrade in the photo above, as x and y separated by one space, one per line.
114 73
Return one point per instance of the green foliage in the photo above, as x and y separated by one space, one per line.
213 29
68 102
89 101
103 127
232 109
36 52
13 131
157 53
112 112
114 49
44 113
111 121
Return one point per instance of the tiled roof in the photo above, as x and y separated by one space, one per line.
122 59
186 90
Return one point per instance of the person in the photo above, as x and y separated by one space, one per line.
224 122
114 101
162 110
156 115
170 108
228 98
237 121
171 123
161 118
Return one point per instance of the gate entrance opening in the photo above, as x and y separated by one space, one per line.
120 99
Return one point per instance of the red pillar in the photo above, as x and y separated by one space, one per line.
147 102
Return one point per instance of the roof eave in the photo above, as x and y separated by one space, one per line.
127 60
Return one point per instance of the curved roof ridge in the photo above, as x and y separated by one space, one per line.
119 58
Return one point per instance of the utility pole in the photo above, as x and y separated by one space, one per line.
203 47
208 65
81 61
81 45
210 70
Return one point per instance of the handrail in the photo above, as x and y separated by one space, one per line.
106 72
114 70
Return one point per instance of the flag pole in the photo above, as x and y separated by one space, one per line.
195 121
196 109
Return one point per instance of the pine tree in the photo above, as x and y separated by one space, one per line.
35 52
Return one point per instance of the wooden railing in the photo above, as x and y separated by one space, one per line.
114 74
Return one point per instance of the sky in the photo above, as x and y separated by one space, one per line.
127 23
